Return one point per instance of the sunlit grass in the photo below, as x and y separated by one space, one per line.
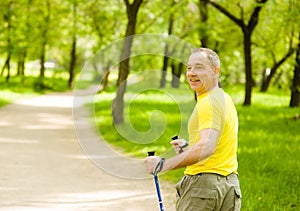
269 140
151 119
19 88
269 145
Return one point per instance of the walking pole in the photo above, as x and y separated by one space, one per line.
157 169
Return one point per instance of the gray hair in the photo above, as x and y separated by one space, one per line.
211 56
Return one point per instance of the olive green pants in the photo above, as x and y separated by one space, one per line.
207 191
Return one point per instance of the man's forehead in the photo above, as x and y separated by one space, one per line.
196 63
197 58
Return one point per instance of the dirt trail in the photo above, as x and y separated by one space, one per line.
43 166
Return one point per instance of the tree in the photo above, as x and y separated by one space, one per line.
203 31
295 95
247 29
118 102
73 48
108 20
8 23
267 79
276 50
166 58
44 35
183 28
176 73
23 42
43 30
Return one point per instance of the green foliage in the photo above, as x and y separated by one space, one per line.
269 140
98 24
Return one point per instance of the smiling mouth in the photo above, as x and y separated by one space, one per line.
194 80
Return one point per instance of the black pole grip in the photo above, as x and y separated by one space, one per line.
175 137
151 153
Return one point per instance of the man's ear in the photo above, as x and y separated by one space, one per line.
217 70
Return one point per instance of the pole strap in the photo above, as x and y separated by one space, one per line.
159 166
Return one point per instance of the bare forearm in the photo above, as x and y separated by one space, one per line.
188 157
179 161
204 148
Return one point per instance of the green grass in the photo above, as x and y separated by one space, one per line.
269 157
18 88
151 118
269 139
269 152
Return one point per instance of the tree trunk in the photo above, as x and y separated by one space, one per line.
72 63
176 73
42 60
7 66
203 25
27 34
248 68
166 58
73 49
295 95
7 19
118 102
247 31
164 68
21 64
105 79
44 42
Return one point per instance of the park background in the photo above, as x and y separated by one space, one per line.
45 45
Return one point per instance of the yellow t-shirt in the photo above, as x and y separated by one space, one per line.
215 110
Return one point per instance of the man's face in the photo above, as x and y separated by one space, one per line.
200 74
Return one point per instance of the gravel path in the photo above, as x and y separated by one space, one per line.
43 166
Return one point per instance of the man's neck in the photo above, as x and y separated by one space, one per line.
199 93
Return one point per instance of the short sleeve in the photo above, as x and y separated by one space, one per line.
209 114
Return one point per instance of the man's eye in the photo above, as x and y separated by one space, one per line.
195 68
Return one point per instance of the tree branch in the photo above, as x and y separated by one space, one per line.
136 4
228 14
285 57
127 3
254 17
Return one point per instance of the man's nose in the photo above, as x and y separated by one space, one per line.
191 72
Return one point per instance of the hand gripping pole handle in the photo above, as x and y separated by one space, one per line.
181 147
161 206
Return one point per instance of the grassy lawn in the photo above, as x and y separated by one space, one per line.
269 139
269 157
17 88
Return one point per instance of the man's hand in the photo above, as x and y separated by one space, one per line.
151 162
179 145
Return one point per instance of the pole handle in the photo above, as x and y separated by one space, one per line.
151 153
175 137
